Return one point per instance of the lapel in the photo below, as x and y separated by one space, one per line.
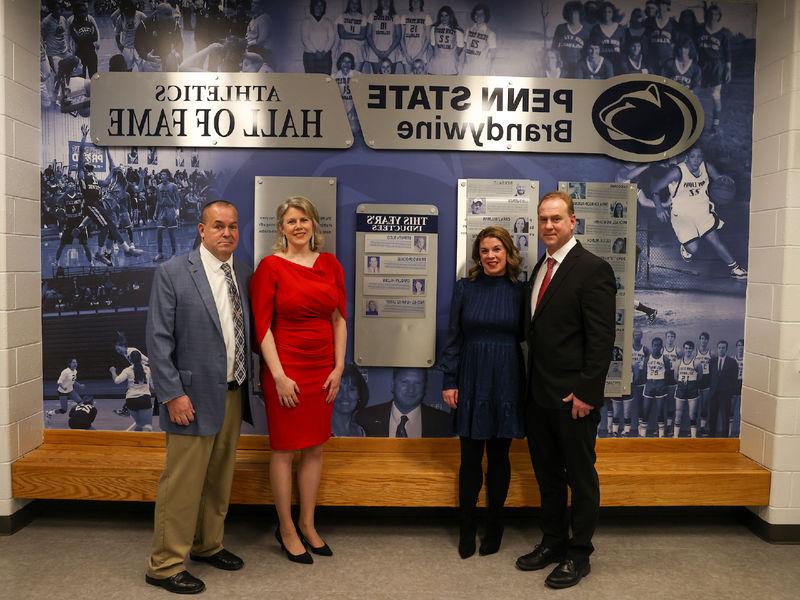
726 364
570 260
198 274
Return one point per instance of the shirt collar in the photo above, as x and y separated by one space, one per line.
396 414
560 254
212 261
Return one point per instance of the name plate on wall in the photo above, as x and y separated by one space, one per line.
397 247
632 117
223 110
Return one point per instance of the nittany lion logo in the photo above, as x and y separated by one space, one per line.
647 116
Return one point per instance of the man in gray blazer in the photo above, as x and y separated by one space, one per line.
198 341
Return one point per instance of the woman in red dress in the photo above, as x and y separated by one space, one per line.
298 303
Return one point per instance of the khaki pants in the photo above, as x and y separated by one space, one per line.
193 493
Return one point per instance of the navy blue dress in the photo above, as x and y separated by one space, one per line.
483 358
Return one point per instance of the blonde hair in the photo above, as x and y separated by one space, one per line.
305 206
513 260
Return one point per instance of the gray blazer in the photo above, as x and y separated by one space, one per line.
185 346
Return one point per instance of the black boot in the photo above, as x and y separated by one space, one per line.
498 476
492 536
466 536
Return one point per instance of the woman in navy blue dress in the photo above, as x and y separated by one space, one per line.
484 380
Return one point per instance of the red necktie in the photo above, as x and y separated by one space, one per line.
551 262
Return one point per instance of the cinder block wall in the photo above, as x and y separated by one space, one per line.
770 432
20 233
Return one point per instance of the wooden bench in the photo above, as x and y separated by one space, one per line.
388 472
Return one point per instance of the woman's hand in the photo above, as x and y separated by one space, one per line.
332 385
450 397
287 392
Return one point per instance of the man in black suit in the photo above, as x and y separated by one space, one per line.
405 416
570 340
724 380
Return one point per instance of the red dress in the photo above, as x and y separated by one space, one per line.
297 302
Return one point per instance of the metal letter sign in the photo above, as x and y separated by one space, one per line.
632 117
225 110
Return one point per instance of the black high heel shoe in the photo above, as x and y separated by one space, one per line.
304 559
323 550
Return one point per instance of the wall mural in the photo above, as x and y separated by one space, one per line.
692 224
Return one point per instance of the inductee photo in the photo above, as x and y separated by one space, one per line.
418 287
580 226
478 206
420 243
372 308
618 247
373 264
615 370
520 225
577 189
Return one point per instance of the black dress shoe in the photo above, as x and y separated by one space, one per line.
567 573
492 538
323 550
539 558
466 538
304 559
227 561
180 583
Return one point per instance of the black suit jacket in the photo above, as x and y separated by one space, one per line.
724 382
571 334
375 421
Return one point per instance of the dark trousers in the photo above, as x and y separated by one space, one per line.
470 476
719 413
562 453
318 62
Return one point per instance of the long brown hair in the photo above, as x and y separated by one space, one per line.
513 260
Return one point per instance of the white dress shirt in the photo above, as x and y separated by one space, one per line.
559 256
413 425
219 288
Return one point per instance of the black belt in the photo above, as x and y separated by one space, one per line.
232 385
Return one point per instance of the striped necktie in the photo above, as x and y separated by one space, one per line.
239 364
